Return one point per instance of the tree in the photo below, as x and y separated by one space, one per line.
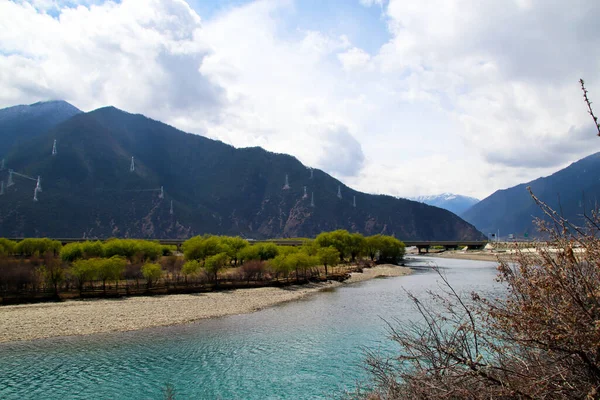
191 267
214 264
252 270
391 250
110 269
234 245
328 256
52 271
356 244
372 245
7 247
152 273
201 247
83 271
339 239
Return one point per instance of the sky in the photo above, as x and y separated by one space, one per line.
400 97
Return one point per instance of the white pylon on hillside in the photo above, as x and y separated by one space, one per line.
287 183
305 194
354 201
312 199
132 166
54 148
339 194
161 195
171 210
311 173
10 178
38 185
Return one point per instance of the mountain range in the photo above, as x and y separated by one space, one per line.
572 191
455 203
117 174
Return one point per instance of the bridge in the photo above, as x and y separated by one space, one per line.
422 245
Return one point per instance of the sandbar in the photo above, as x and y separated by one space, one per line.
85 317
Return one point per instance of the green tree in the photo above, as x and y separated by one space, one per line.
281 265
391 251
372 246
249 253
7 247
234 245
52 271
152 273
214 264
91 249
82 271
71 252
201 247
267 251
110 270
339 239
191 267
356 244
328 256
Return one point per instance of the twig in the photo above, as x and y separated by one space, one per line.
589 104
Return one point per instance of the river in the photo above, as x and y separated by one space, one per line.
307 349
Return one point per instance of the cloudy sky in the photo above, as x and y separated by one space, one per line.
391 96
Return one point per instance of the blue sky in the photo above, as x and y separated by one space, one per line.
398 97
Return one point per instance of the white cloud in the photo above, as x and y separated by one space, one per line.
466 96
354 59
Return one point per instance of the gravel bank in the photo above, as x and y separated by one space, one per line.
84 317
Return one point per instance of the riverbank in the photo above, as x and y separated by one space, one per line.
84 317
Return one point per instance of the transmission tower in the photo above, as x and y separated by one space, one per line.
38 185
311 173
287 183
10 178
305 194
132 166
312 199
54 148
339 194
171 210
35 192
161 195
354 201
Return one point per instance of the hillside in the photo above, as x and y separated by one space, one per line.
19 124
572 191
448 201
89 190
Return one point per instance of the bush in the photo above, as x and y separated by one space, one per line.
540 341
253 270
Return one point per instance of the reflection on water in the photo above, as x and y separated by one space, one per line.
310 348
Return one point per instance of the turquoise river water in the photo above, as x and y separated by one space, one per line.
308 349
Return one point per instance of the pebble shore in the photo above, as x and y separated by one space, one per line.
85 317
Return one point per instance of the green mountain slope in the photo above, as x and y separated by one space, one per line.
570 191
19 124
88 189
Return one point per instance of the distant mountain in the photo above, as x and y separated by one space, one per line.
89 189
570 191
448 201
19 124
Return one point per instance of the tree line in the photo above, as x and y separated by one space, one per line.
130 266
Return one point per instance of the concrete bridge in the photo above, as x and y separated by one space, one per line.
422 245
